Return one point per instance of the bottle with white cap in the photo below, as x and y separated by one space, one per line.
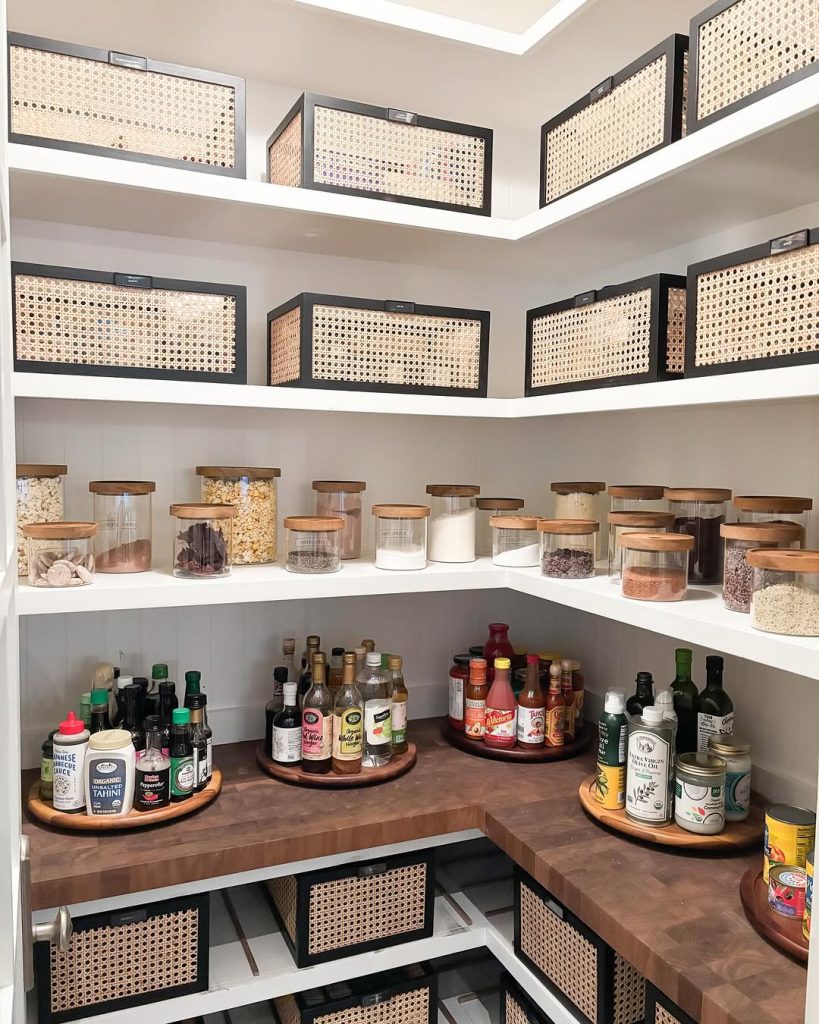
650 768
665 700
612 726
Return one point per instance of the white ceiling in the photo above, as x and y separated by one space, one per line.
513 16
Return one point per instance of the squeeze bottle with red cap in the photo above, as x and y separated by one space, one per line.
70 743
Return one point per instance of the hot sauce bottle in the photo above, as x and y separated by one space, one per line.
501 709
555 708
532 707
475 700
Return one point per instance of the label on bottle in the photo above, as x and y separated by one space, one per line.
398 721
182 775
610 786
200 767
474 718
69 777
712 725
699 808
556 726
378 722
107 784
153 788
210 757
569 722
348 735
737 795
531 725
456 698
649 763
579 702
46 769
316 735
286 745
500 723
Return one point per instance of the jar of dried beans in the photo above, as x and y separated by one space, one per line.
740 538
202 542
699 512
567 547
486 508
40 499
582 499
623 522
252 492
60 554
655 566
313 543
786 591
342 499
122 512
759 508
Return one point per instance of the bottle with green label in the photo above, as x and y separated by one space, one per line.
181 753
685 702
610 791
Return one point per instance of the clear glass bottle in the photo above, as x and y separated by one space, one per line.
40 499
627 522
317 722
486 509
122 512
202 540
336 671
399 700
288 659
452 522
306 678
153 771
567 547
400 536
348 722
201 741
342 499
377 713
655 566
699 512
100 720
252 491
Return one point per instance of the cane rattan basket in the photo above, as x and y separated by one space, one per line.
127 325
742 50
354 908
338 146
516 1007
116 104
661 1010
125 958
622 119
581 969
331 341
406 995
756 308
629 333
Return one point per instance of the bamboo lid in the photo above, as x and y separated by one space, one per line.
575 487
347 486
313 524
453 490
508 504
401 511
233 472
639 541
203 510
648 492
712 494
765 533
122 487
568 526
641 519
781 558
33 469
59 531
513 522
772 503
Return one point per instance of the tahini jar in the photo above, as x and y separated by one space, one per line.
699 793
452 522
400 536
110 773
737 756
650 768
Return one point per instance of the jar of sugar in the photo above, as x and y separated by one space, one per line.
452 522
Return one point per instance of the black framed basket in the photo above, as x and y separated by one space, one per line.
357 149
88 100
516 1007
662 1010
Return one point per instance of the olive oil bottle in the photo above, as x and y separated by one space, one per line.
685 702
610 791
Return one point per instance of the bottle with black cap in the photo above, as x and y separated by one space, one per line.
131 722
192 684
143 708
201 733
168 703
274 706
643 697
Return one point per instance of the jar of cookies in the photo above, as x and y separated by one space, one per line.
60 554
40 499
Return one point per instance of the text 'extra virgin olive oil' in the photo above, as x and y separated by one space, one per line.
610 791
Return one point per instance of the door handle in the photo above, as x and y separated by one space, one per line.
58 930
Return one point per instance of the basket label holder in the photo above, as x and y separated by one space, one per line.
133 280
601 90
404 116
127 60
585 298
787 243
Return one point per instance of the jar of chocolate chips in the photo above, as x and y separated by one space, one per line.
567 547
202 540
700 512
740 538
313 543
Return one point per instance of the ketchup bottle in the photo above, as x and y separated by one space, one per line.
501 709
498 645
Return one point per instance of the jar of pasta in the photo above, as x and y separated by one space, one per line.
253 493
40 499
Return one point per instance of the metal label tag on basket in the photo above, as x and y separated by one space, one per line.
372 869
374 998
585 298
787 243
128 60
397 306
133 280
555 908
406 116
599 91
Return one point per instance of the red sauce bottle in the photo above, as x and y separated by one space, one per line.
458 676
555 709
498 645
475 700
501 709
532 708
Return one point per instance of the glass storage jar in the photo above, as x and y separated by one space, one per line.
637 498
582 499
515 540
400 536
699 793
786 591
736 753
486 508
567 547
122 512
761 508
452 522
740 538
622 522
40 499
202 541
313 544
699 512
342 499
655 566
252 490
60 554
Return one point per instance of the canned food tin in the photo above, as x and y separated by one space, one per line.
786 890
808 895
789 834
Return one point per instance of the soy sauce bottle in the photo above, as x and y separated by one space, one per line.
181 754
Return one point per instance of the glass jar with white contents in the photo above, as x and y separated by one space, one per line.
737 756
400 536
637 498
486 508
342 499
515 541
252 490
60 554
452 522
313 544
785 597
623 522
40 499
699 794
583 499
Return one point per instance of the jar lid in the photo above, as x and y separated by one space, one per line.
725 746
513 522
508 504
568 526
649 492
313 524
790 875
766 533
33 469
581 487
122 487
233 472
703 765
461 659
638 519
203 510
401 511
59 531
707 494
109 739
641 541
772 503
783 559
791 815
346 486
453 490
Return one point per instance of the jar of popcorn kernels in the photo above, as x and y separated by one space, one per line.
253 493
40 499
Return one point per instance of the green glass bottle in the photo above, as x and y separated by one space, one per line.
685 702
192 685
643 695
715 709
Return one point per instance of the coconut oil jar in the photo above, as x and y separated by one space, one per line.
699 793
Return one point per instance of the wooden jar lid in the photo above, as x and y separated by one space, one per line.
763 533
401 511
59 531
568 526
453 490
772 503
118 487
346 486
313 524
203 510
507 504
640 541
579 487
646 520
234 472
33 469
648 492
513 522
782 559
712 494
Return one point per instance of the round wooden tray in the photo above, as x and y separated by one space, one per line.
399 765
44 811
459 739
737 835
783 932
